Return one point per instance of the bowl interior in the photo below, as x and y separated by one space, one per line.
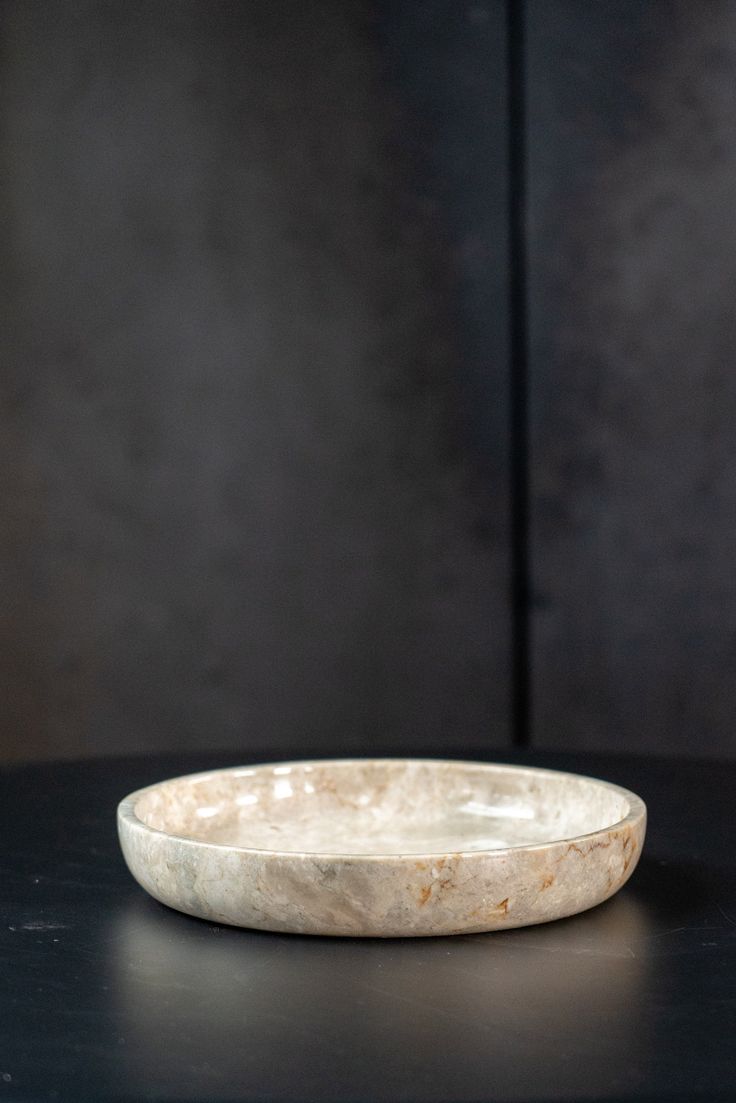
381 807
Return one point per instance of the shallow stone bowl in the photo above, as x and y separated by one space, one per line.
382 847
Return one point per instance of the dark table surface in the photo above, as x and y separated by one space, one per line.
108 995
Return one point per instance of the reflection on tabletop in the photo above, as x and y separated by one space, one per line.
458 1007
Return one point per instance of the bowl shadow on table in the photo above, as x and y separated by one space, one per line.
674 893
449 1012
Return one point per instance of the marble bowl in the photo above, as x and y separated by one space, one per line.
382 847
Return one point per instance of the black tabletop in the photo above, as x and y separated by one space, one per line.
108 995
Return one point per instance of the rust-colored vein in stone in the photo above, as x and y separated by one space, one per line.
585 853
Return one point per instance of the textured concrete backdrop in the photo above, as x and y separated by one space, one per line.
244 489
254 437
632 179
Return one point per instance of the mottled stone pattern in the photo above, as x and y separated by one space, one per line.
383 848
379 806
238 496
632 174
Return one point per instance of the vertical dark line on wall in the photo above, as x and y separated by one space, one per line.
519 349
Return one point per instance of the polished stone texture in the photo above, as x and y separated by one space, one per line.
382 847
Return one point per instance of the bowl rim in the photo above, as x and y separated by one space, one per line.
636 815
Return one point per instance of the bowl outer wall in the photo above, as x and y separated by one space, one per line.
383 895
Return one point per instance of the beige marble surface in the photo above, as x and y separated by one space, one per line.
382 847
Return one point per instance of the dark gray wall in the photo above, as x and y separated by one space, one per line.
259 423
632 247
247 495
